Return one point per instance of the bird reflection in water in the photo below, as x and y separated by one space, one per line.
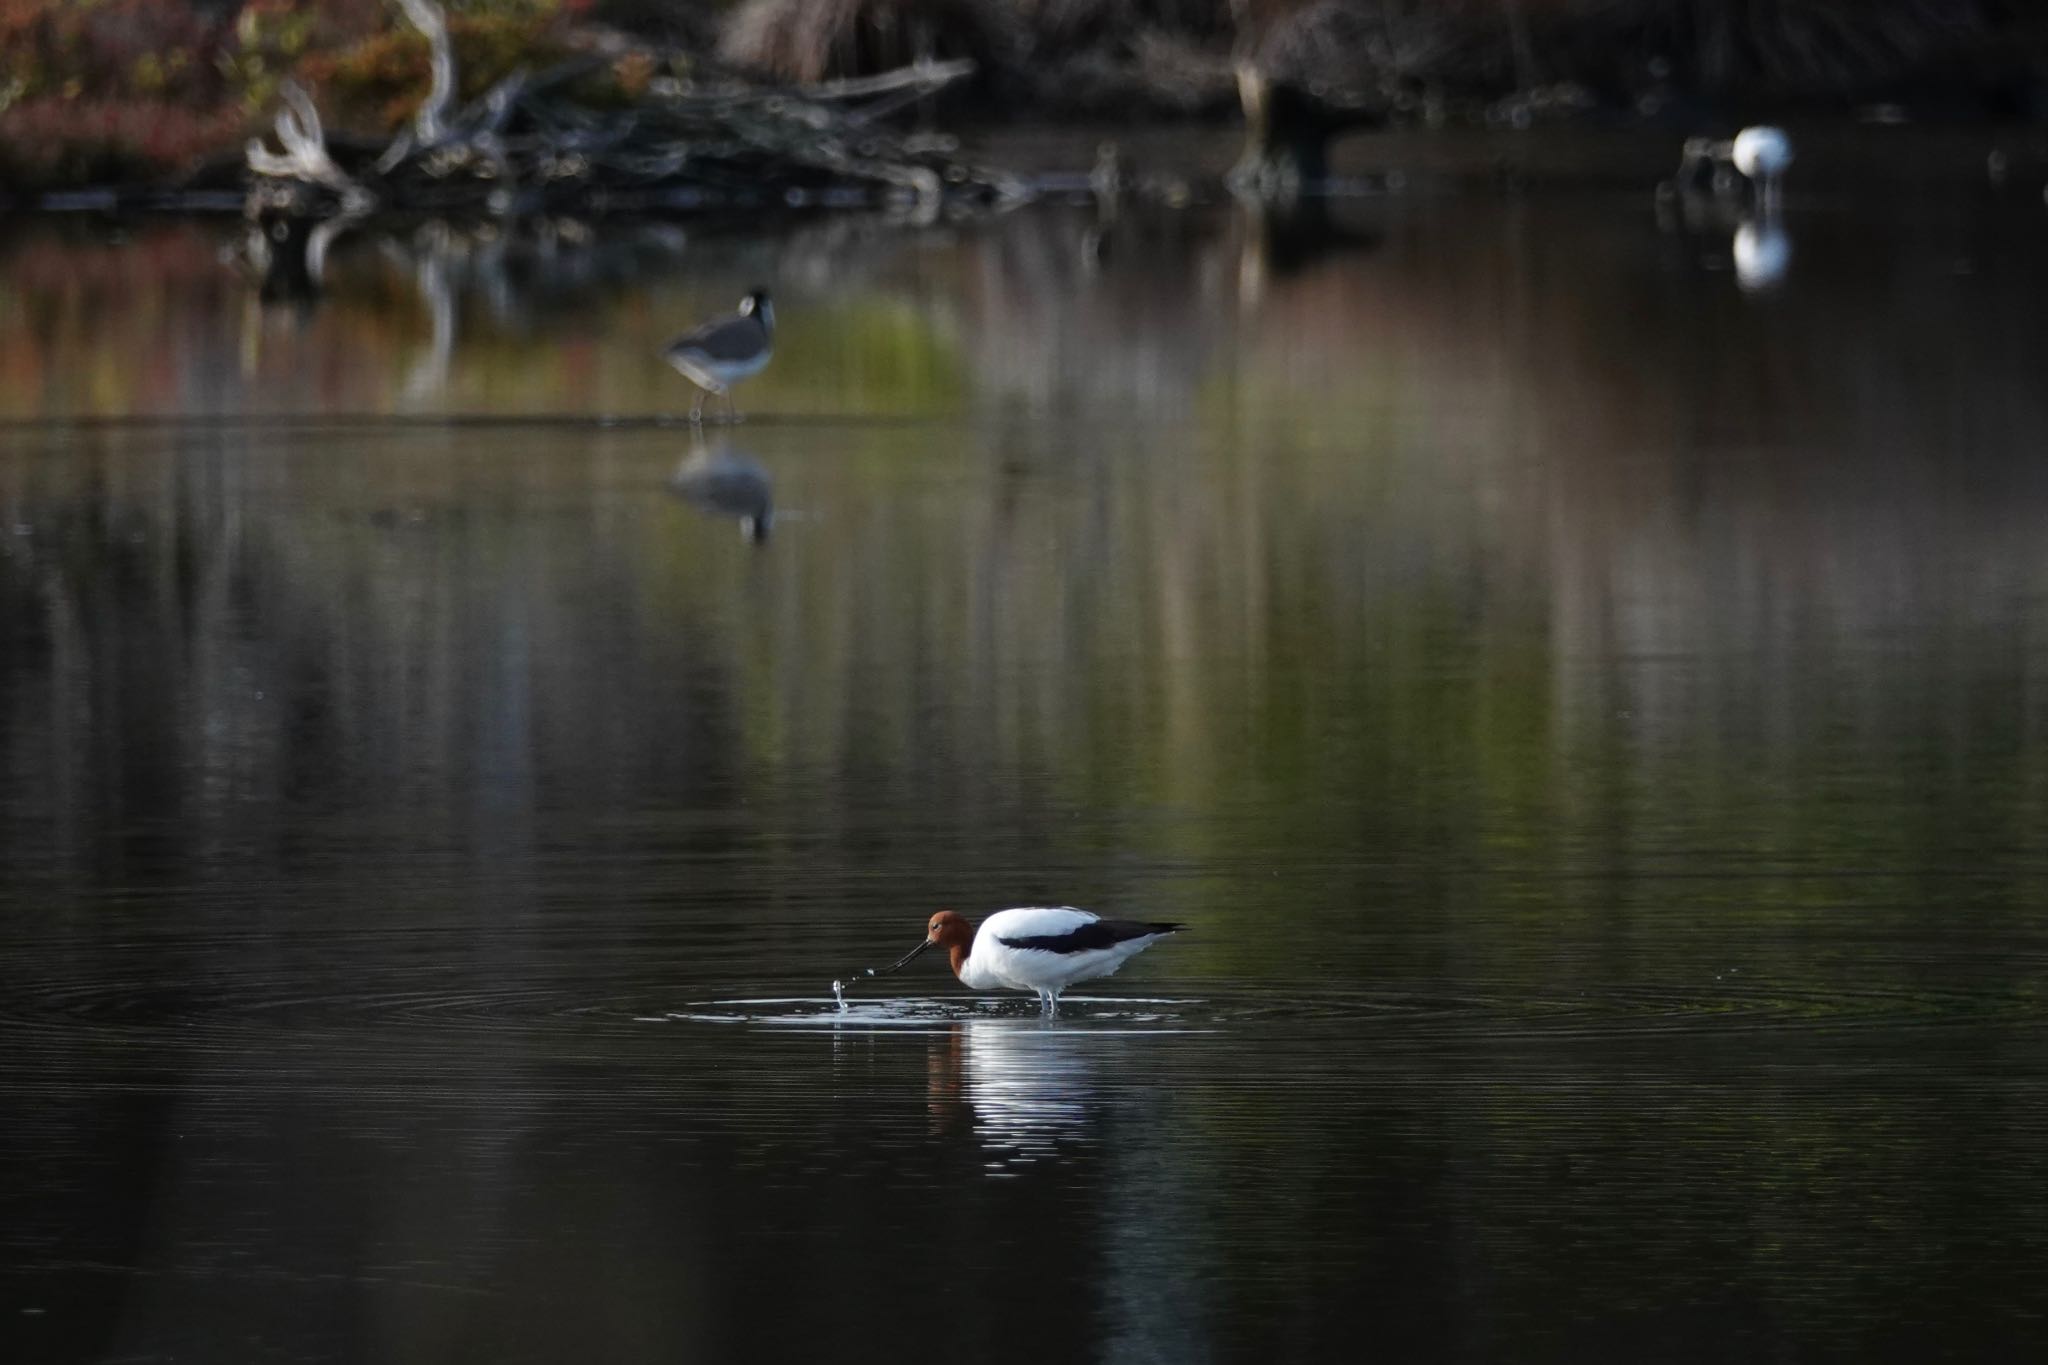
1028 1090
1759 245
1763 253
721 481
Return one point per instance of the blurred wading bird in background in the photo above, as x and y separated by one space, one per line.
1760 155
720 353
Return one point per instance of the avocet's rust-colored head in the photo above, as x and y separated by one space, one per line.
948 929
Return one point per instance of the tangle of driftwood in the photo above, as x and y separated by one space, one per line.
525 148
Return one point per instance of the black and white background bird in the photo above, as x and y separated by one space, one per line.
720 353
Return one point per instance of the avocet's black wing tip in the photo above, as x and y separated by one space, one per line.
1101 933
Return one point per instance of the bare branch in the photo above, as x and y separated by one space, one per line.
430 125
925 76
305 156
525 145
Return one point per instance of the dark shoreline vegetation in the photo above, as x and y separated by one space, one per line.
164 94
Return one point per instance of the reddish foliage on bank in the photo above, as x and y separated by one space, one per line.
122 90
52 142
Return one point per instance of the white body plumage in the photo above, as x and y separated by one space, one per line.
1042 949
995 965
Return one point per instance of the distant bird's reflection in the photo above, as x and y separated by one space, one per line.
1029 1085
1763 253
1759 244
721 481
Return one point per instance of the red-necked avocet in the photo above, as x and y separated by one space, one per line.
1036 948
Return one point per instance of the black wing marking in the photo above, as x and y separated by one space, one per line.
1101 933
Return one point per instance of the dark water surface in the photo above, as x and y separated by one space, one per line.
1591 713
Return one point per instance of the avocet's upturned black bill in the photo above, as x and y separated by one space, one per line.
1043 949
723 351
900 963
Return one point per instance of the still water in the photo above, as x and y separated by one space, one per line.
1590 711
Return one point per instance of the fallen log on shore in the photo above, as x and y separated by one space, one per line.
526 147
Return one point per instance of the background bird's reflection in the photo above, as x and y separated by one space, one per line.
1757 243
722 481
1763 253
